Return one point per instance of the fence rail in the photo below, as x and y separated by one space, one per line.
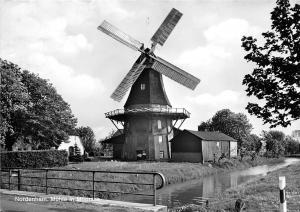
12 173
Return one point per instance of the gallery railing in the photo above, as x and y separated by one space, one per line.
148 109
16 176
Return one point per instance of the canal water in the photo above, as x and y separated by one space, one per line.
197 191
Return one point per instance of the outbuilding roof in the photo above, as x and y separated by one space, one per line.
117 138
211 135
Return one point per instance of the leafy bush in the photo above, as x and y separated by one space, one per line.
34 159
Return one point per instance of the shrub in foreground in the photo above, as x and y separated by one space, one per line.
34 159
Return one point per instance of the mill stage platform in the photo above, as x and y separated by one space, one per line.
173 113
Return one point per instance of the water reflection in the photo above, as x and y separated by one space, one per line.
197 191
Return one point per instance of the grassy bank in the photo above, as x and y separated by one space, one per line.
259 195
176 172
173 172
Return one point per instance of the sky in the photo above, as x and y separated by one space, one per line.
59 40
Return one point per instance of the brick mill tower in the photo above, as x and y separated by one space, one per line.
148 117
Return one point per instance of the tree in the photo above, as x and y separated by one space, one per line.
291 146
205 126
276 77
87 137
252 143
51 119
34 112
14 101
275 143
235 125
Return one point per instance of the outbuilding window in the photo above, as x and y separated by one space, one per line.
159 124
161 154
143 86
160 139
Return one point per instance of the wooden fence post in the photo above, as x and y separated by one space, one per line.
154 190
19 180
9 178
46 181
93 184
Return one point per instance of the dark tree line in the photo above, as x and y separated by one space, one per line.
32 110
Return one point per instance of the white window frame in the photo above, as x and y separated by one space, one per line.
159 124
143 86
160 139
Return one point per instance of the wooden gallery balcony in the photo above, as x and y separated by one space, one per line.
173 113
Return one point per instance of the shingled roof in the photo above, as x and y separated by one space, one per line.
211 135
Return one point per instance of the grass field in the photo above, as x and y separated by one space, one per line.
173 172
259 195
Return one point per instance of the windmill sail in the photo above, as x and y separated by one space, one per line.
128 80
159 65
120 36
166 27
175 73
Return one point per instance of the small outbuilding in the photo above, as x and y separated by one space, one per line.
201 146
117 142
70 144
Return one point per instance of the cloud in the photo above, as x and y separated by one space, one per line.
39 34
225 99
203 56
112 7
223 41
69 83
229 32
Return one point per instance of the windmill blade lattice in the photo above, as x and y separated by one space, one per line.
120 36
165 29
128 80
175 73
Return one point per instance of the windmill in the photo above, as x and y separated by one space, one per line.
148 117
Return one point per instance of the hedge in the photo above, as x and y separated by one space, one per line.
34 159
